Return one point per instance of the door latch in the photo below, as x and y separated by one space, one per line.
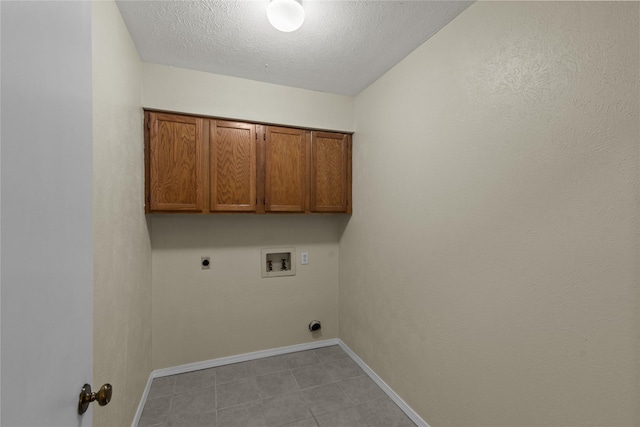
103 396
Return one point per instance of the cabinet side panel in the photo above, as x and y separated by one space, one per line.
147 162
349 209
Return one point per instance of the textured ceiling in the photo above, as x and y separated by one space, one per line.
342 47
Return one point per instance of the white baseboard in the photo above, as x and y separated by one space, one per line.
143 400
190 367
392 394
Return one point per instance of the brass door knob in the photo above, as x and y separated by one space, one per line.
103 396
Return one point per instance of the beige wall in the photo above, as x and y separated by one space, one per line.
227 310
188 91
490 271
122 251
200 315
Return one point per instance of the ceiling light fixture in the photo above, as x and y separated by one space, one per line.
285 15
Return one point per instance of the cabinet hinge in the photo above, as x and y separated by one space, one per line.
148 125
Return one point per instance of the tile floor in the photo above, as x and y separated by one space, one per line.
314 388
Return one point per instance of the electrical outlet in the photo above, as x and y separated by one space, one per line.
304 258
205 263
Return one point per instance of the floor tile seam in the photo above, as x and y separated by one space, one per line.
279 394
285 394
234 405
238 404
336 377
333 381
257 387
235 380
166 418
314 418
296 380
193 413
171 402
320 361
309 405
345 393
260 399
215 400
316 386
302 366
330 373
303 399
297 419
308 366
362 417
201 412
338 410
271 373
158 397
192 389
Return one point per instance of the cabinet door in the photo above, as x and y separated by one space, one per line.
285 161
232 166
330 172
175 163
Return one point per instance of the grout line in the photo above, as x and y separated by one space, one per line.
412 415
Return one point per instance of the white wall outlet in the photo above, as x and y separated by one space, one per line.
205 262
304 258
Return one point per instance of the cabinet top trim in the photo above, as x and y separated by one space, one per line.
251 121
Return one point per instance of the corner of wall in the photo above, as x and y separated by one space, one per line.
490 271
122 248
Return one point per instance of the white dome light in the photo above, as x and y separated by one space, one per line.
285 15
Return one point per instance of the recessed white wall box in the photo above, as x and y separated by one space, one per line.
278 262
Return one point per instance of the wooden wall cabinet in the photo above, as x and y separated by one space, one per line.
285 169
330 172
174 168
232 166
205 165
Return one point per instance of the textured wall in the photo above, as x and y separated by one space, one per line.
490 270
177 89
229 309
200 315
122 251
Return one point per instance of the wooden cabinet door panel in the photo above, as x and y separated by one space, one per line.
329 172
285 156
232 155
176 163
